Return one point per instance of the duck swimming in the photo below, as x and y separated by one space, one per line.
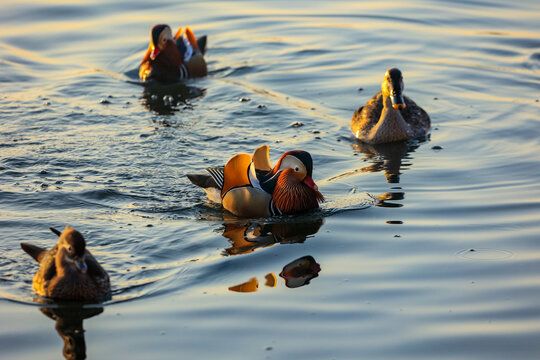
170 59
389 115
248 186
68 271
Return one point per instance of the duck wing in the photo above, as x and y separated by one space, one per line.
236 172
416 117
97 274
261 158
47 266
367 116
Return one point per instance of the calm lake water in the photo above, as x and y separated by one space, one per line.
423 250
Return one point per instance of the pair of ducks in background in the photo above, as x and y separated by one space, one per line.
247 186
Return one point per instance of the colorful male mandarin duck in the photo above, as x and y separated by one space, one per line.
389 115
248 186
68 271
170 59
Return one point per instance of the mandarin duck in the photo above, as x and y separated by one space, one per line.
169 59
248 186
389 115
68 271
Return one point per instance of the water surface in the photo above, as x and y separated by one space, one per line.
423 250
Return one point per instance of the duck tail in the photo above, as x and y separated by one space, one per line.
201 43
204 181
34 251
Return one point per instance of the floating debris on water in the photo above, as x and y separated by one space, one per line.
297 124
485 254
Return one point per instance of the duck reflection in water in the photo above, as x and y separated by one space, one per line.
300 271
246 237
386 157
69 325
391 158
171 98
297 273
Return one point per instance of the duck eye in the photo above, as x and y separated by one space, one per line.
297 169
69 248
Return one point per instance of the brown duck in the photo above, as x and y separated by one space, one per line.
170 59
389 115
248 186
68 271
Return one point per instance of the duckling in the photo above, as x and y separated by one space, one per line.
170 59
68 271
248 186
389 115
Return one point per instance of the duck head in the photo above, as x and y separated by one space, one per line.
295 189
393 86
300 164
161 34
71 250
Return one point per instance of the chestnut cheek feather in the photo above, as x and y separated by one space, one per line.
292 196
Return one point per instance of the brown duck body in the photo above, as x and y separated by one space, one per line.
390 116
59 278
375 123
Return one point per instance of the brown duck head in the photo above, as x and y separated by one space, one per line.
71 251
393 86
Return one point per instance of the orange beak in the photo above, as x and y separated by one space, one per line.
309 182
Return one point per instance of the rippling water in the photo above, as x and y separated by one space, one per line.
423 250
